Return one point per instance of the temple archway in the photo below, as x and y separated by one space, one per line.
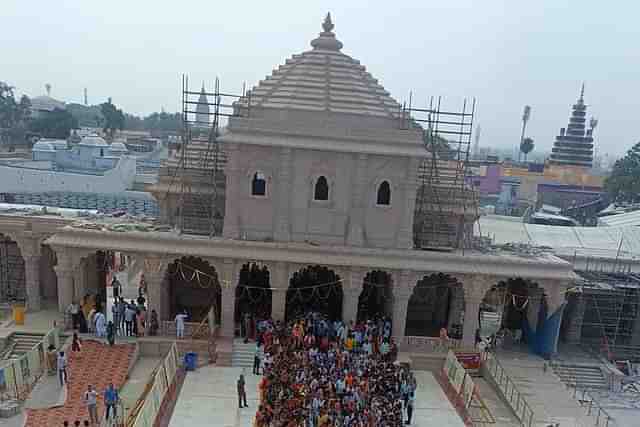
253 293
12 271
437 302
314 289
509 304
376 298
194 287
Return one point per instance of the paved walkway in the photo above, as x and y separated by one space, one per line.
547 395
208 399
98 365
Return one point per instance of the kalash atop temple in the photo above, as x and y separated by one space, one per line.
319 205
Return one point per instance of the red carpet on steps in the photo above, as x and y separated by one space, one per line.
98 365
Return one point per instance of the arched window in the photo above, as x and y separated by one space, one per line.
384 193
258 185
321 191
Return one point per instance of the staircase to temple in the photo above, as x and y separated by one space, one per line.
243 354
587 376
20 343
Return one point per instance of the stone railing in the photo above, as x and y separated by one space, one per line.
428 344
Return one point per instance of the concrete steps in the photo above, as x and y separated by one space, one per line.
243 354
22 342
586 376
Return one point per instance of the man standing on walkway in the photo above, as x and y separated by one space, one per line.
242 394
62 368
411 401
129 315
180 318
110 400
91 400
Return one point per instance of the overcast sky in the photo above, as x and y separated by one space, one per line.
504 53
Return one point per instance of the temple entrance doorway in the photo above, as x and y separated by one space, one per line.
508 305
437 302
253 293
194 288
376 298
314 289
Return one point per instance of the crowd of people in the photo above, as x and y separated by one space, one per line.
320 373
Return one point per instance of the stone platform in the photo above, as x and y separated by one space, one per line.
208 398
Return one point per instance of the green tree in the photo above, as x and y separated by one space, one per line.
526 147
14 116
623 185
113 118
167 122
56 124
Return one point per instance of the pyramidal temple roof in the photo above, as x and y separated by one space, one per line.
324 79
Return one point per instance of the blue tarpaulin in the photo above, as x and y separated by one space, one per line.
544 339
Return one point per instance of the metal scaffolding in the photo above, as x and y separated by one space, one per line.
446 203
197 172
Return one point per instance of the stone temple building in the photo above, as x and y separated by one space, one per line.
574 145
316 207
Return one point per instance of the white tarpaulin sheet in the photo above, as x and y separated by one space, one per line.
606 242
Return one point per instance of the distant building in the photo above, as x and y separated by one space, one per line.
574 145
41 105
202 109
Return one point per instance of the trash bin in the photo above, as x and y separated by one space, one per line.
18 314
190 361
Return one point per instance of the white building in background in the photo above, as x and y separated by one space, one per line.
92 166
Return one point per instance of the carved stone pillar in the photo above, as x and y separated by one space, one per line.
155 270
280 284
79 277
283 226
64 271
351 290
533 307
356 222
231 228
30 248
475 288
410 188
230 273
402 290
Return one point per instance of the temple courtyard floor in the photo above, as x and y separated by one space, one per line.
208 398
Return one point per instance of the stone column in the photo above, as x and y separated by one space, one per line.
283 226
457 306
533 307
356 222
231 228
79 277
351 290
279 284
30 248
230 273
155 269
410 188
64 271
402 290
475 288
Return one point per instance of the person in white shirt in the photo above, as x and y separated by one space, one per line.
62 368
91 400
101 325
180 318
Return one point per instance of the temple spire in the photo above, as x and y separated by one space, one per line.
327 25
582 92
327 39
